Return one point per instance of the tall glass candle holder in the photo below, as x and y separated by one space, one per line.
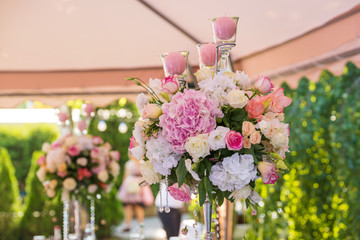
207 55
176 63
224 34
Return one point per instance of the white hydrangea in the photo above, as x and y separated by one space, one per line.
242 80
218 87
160 155
233 172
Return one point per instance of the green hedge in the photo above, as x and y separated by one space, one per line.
319 197
9 198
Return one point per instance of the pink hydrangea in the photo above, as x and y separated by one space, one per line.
188 114
181 194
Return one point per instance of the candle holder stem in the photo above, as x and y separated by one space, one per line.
223 63
207 207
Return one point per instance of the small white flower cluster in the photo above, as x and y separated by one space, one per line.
233 172
160 155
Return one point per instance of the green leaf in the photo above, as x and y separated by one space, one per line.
208 187
181 172
220 197
202 192
238 115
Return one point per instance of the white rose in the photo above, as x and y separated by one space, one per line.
241 193
141 101
217 138
138 152
50 193
279 139
46 147
264 126
198 146
69 184
148 173
103 176
203 74
92 188
237 98
254 197
81 161
242 80
114 168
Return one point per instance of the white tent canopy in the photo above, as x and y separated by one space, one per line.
94 34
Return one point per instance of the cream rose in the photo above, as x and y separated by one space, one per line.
114 168
70 141
92 188
50 193
103 176
204 73
41 174
217 138
279 139
151 111
198 146
81 161
69 184
46 147
255 137
148 173
62 167
247 128
241 193
237 98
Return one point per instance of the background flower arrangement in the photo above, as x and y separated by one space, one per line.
81 165
217 139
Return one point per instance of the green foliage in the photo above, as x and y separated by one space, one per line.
41 214
21 140
319 197
9 199
110 208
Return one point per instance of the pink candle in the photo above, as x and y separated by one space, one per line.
175 63
208 54
63 117
224 27
89 108
81 125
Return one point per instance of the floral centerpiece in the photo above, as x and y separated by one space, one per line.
218 138
77 165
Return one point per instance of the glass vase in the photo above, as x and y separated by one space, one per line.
224 35
176 63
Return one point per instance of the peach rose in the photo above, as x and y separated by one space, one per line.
255 137
246 142
254 108
247 128
151 111
62 167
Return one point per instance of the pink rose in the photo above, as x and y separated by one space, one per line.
73 151
170 84
255 137
234 140
133 143
61 174
96 140
181 194
94 153
55 145
247 128
89 108
63 117
41 160
151 111
83 173
81 125
115 155
279 101
263 84
254 108
268 172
